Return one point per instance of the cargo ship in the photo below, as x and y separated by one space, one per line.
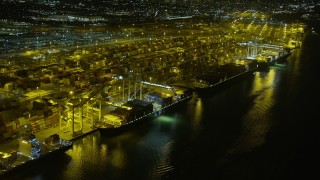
222 77
30 152
136 111
264 66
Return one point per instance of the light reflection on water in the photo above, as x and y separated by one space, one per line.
258 119
147 154
197 113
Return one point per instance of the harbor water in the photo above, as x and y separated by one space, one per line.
262 127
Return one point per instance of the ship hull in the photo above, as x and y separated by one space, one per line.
112 131
224 83
25 163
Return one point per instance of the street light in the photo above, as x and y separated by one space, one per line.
71 93
120 77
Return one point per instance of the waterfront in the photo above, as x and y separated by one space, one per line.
48 87
263 127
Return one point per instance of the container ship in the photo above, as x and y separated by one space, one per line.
222 77
136 111
30 151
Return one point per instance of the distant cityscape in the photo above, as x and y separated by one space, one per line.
134 11
32 20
